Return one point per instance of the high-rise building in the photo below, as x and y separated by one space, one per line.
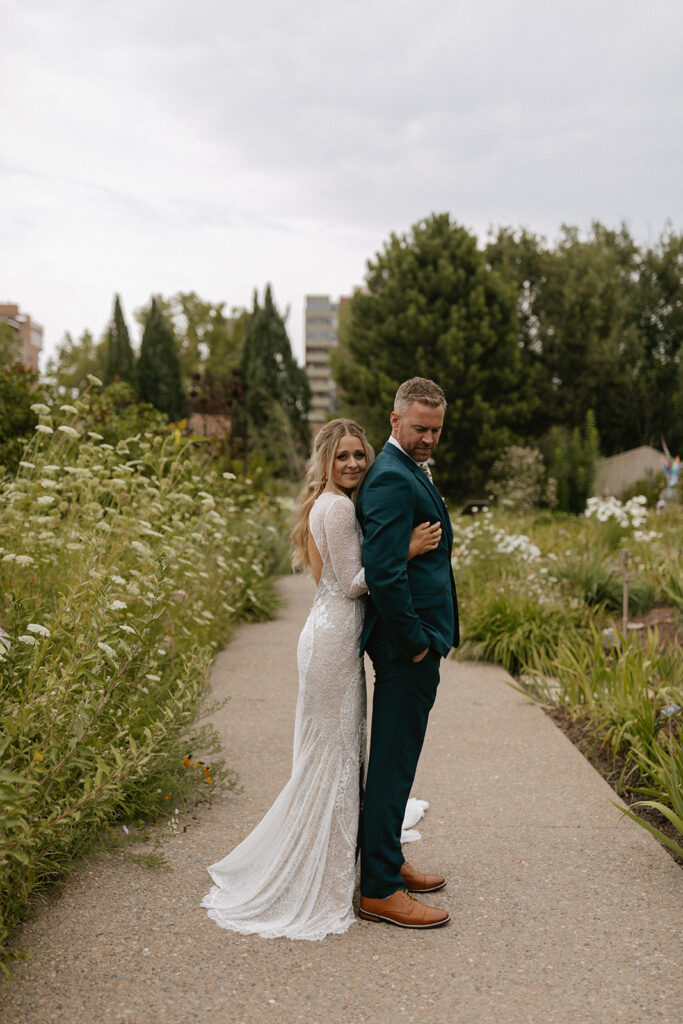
29 335
321 336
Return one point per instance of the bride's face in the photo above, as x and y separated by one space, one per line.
350 463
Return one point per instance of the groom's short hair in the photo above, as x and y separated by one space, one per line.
418 389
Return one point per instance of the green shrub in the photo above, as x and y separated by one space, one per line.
596 582
515 630
122 568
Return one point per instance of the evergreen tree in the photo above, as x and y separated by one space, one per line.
277 389
120 357
434 308
159 377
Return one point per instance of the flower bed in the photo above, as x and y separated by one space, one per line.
542 595
122 568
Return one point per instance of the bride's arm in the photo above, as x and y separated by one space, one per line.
343 544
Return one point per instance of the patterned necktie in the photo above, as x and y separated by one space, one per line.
424 466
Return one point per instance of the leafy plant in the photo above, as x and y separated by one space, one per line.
122 568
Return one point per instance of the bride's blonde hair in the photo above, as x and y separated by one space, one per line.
318 472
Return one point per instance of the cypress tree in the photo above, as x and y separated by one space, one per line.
120 358
159 377
278 392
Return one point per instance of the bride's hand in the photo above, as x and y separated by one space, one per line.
424 537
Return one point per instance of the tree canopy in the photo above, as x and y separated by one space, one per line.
159 376
433 308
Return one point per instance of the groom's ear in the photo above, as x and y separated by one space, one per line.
393 419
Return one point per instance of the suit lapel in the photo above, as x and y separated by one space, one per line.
440 505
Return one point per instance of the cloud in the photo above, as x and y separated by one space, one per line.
160 145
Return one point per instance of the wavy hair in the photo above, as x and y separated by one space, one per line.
318 472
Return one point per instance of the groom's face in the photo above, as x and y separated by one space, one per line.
418 429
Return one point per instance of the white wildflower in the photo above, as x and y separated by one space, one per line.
118 579
44 429
26 638
11 557
94 436
35 627
117 605
39 409
69 408
229 476
94 380
24 560
45 499
127 629
47 483
152 677
68 430
106 648
27 465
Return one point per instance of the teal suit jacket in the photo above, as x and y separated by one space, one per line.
413 603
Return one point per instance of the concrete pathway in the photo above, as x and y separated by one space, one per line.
562 910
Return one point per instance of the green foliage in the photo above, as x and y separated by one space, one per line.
515 630
598 582
518 479
277 390
9 346
208 341
434 308
572 457
120 357
19 390
158 370
600 326
122 568
75 362
651 486
115 413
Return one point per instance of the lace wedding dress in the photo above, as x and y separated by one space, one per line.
294 875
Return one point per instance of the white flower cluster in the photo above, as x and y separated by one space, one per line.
516 544
632 513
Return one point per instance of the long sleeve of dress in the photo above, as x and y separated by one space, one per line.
343 544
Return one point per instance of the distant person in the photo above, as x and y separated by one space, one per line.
294 875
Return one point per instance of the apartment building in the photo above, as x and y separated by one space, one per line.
321 336
29 335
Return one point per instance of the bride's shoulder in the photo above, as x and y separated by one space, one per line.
332 504
329 498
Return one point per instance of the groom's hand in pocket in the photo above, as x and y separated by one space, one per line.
419 657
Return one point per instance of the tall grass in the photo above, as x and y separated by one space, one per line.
122 569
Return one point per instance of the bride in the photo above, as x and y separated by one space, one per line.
294 875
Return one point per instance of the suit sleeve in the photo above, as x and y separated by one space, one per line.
388 504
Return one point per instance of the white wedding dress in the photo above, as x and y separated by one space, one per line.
294 875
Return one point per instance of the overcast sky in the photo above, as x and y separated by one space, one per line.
151 147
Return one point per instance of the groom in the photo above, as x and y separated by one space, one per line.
411 623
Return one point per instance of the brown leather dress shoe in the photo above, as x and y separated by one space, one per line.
404 910
418 881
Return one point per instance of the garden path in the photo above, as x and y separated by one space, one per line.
562 911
